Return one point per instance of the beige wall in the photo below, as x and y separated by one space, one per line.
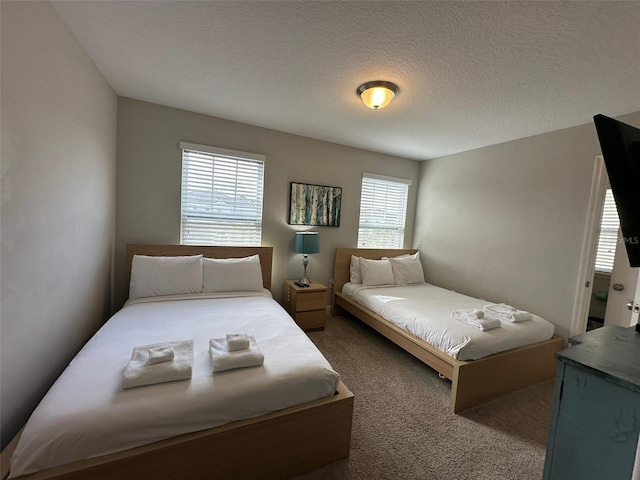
148 186
506 222
58 203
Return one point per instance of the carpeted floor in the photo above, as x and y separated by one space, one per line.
402 427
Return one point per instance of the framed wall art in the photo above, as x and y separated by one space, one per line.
316 205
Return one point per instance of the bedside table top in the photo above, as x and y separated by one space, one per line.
313 287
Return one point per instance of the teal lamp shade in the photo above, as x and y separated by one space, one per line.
306 243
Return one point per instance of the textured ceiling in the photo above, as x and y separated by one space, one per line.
470 73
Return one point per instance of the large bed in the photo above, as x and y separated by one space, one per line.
478 372
242 423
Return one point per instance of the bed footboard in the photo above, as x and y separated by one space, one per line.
492 377
276 445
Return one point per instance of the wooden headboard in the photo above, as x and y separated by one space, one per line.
343 261
266 255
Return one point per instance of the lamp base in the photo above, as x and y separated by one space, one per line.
304 280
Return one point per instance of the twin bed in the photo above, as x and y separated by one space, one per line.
481 365
242 423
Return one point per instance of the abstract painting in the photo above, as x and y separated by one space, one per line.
315 205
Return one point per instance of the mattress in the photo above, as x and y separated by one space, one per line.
86 413
424 310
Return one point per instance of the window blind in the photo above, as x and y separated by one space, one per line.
608 238
221 197
383 209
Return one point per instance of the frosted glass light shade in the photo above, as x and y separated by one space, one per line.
377 94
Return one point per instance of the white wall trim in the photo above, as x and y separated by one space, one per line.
387 178
589 243
222 151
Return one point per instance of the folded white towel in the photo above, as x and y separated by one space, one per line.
160 354
139 372
237 341
500 308
470 312
475 318
507 312
222 359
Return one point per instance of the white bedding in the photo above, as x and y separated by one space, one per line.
424 310
86 413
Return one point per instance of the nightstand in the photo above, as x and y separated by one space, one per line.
307 305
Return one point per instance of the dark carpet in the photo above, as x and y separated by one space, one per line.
402 426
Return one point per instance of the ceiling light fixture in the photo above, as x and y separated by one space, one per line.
378 93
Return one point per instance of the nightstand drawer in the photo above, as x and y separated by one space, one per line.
311 301
307 305
313 320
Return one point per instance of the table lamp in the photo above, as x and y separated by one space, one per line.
306 243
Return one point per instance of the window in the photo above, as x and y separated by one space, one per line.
608 238
383 208
221 196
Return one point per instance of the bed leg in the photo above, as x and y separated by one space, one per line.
337 310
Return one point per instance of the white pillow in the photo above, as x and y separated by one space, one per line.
407 269
354 270
232 274
376 272
155 276
406 255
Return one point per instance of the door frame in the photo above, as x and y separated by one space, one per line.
586 271
635 314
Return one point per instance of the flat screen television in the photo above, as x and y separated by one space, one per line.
620 144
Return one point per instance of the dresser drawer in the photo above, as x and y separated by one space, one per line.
312 320
311 301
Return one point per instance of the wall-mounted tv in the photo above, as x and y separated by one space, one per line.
620 144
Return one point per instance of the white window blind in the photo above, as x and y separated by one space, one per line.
221 196
383 209
608 238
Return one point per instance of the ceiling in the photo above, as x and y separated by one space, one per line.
471 74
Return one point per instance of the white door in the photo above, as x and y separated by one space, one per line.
624 289
616 312
635 315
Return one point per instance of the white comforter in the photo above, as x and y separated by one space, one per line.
87 413
425 311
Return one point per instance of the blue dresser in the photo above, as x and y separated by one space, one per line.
596 407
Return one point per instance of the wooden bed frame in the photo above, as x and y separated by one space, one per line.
281 444
472 382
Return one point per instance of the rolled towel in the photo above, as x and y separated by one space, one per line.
222 359
160 354
475 318
237 341
520 316
139 372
